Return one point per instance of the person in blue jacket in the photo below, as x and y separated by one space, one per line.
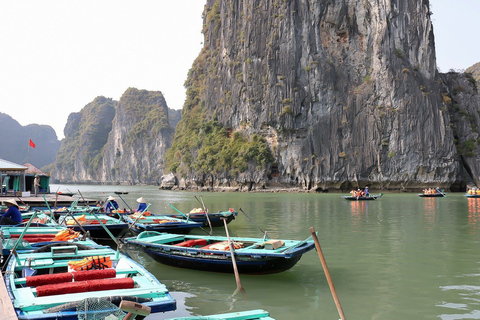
12 216
111 205
142 204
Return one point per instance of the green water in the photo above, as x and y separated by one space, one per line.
399 257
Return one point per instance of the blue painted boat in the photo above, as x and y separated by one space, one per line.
54 291
432 195
212 253
92 223
242 315
36 236
139 222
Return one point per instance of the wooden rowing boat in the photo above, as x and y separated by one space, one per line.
432 195
370 197
211 253
93 224
54 291
199 215
161 223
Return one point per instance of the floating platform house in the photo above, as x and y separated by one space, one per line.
17 182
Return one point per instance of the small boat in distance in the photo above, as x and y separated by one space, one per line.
362 198
212 253
432 193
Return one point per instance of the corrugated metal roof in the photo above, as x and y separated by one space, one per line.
7 165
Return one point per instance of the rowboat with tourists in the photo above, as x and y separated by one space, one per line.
432 193
212 253
473 193
361 195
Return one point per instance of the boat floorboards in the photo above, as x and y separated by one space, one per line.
6 307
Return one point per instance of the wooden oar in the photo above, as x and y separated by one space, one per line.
138 218
264 232
235 270
327 273
131 210
206 214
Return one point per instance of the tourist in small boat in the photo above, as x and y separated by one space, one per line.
367 191
12 216
142 205
111 205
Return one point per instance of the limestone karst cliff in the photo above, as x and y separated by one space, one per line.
116 142
344 93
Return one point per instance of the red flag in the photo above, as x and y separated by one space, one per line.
32 144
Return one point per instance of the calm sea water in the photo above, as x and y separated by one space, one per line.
399 257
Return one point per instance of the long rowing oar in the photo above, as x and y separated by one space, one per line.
264 232
232 253
206 214
14 249
131 210
327 273
137 218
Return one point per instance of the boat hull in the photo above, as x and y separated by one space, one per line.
372 197
434 195
224 264
215 219
62 304
212 253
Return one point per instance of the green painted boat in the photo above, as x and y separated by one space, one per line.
242 315
34 237
65 292
212 253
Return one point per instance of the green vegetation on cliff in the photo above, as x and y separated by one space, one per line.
86 135
475 71
149 111
201 143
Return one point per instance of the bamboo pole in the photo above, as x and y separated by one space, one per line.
327 273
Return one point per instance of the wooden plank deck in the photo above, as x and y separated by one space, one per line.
6 307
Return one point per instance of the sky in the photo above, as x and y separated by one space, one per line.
56 56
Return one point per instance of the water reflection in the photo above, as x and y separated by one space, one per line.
473 212
429 209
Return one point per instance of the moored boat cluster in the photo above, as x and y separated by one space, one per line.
55 265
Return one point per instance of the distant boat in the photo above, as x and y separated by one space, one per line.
212 253
472 195
370 197
432 195
121 192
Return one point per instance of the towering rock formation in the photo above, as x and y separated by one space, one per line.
116 142
139 138
345 92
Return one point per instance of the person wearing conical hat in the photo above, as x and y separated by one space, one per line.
142 205
111 205
12 216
